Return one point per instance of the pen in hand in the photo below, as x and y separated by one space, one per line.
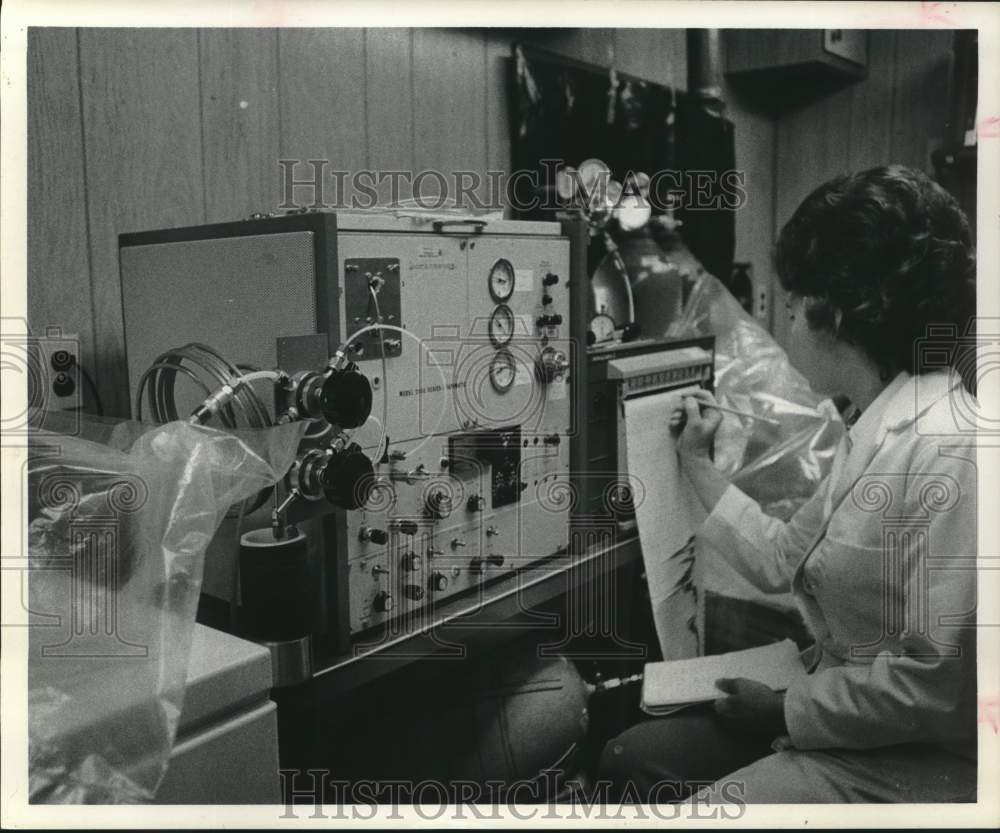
679 418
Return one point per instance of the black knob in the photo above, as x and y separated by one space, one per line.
495 560
346 398
476 503
551 439
62 360
407 527
630 332
410 561
377 536
546 299
439 504
382 602
438 582
348 478
550 279
63 384
413 591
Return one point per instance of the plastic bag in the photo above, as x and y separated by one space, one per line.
778 466
120 514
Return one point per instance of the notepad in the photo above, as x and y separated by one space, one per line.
667 686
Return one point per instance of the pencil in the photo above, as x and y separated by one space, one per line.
746 414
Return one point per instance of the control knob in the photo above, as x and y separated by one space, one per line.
410 561
414 592
552 364
406 527
348 478
439 504
382 602
345 398
438 582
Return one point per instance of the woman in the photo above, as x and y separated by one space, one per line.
880 561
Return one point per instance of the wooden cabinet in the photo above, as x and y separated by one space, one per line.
791 53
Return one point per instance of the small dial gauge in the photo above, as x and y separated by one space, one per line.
503 371
501 281
602 327
501 325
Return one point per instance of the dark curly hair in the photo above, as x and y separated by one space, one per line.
890 250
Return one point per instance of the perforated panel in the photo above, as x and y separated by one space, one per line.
236 294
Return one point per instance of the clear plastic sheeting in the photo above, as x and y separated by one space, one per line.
780 466
119 516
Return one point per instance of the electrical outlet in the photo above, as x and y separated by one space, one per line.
762 304
58 379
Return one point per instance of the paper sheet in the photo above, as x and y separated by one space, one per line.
667 514
666 685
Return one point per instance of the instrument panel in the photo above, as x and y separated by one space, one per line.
474 479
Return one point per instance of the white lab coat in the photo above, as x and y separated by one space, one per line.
881 563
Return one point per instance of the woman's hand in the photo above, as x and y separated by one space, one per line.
752 705
695 434
696 428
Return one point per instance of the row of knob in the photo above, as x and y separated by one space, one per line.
438 506
437 582
380 536
411 562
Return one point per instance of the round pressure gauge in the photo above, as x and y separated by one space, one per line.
501 281
503 371
602 327
501 325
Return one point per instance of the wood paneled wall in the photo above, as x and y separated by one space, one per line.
133 129
896 116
